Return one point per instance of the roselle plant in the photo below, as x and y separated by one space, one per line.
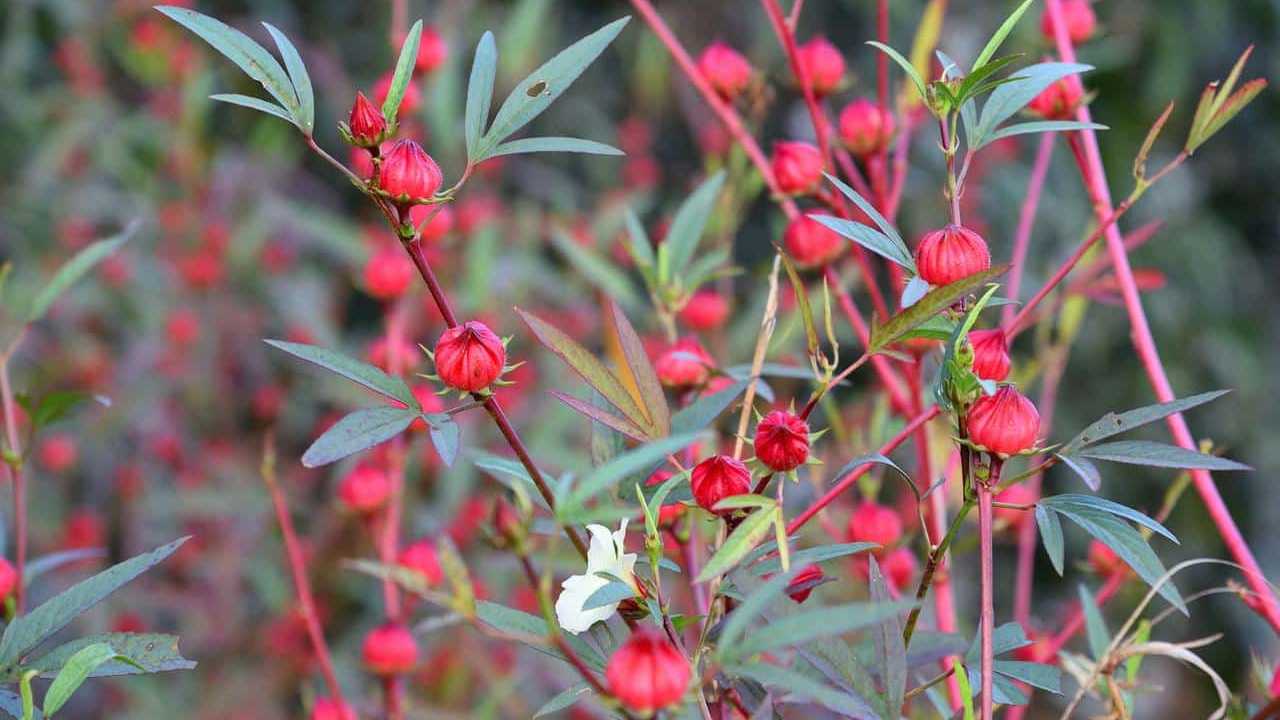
681 573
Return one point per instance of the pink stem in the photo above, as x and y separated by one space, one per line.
1026 219
1096 182
988 612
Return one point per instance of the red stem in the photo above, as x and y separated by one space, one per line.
988 612
1026 219
1095 180
16 478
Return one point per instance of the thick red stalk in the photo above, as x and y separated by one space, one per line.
1027 219
1096 182
988 612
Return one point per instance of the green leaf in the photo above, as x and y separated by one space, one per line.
138 652
240 49
801 685
1095 627
863 460
997 39
403 74
74 269
934 302
746 536
737 623
298 77
640 246
869 238
554 144
564 700
903 63
1045 677
966 692
531 630
1012 96
808 556
351 369
11 704
642 371
598 270
45 563
480 92
445 436
1114 424
1051 535
360 431
1129 545
702 412
615 592
74 673
627 464
881 222
746 500
980 79
1145 452
28 631
891 653
1039 126
1076 501
803 627
602 416
1087 471
676 250
57 405
582 362
253 103
536 92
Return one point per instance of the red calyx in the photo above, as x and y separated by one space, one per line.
782 441
823 65
725 69
706 310
950 254
990 354
366 122
470 357
409 174
865 127
812 244
1058 101
684 365
1079 17
389 650
647 673
364 489
797 166
421 557
875 523
1005 423
717 478
388 273
804 582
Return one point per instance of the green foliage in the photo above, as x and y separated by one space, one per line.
359 372
74 269
359 431
403 74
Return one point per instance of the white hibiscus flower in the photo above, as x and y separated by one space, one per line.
605 555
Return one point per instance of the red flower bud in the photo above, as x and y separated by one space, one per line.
1105 561
330 709
8 578
875 523
865 127
408 104
408 173
797 166
421 558
950 254
366 123
389 650
726 69
899 568
388 273
1058 101
470 357
432 51
812 244
706 310
1005 423
684 365
717 478
823 64
804 582
1016 495
990 354
1079 18
782 441
647 673
364 489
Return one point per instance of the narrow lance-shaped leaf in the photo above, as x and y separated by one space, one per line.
746 536
1040 126
596 269
998 38
480 92
891 653
298 77
74 269
881 222
145 653
687 227
652 397
554 144
1014 95
869 238
629 463
903 63
445 437
358 431
1143 452
253 103
1051 536
74 673
351 369
1095 627
934 302
403 74
1116 423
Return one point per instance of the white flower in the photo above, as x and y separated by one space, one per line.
606 555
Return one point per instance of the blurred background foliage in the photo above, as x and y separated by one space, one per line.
105 118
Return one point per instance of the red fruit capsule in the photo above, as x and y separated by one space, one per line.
875 523
470 357
1079 18
364 489
950 254
990 354
331 709
812 244
706 310
684 365
389 650
717 478
782 441
823 65
8 578
366 122
647 673
797 166
726 69
388 273
865 127
1005 423
1058 101
804 582
408 173
421 558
